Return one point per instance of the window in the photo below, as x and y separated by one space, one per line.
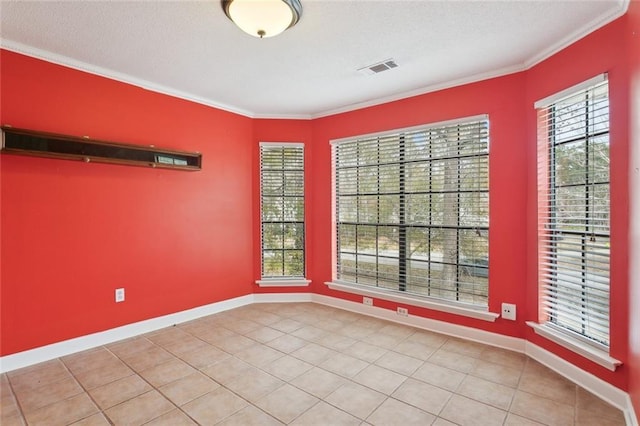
573 209
412 211
282 210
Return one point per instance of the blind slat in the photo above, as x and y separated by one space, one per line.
282 209
573 210
412 211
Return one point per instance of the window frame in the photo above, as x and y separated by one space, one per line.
282 280
401 295
551 229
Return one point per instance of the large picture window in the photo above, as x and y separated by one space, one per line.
412 211
573 188
282 210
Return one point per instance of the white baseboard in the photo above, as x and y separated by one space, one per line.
593 384
603 390
67 347
468 333
413 300
281 297
588 381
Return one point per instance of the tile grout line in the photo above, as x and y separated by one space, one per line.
23 417
153 388
315 339
86 392
213 379
225 387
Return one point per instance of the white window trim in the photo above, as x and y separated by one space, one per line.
441 305
545 102
283 144
455 121
423 302
590 352
574 343
283 282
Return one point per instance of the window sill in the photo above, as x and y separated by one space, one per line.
283 282
591 353
414 301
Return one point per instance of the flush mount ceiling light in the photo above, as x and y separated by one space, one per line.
263 18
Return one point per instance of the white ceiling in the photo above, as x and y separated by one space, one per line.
191 50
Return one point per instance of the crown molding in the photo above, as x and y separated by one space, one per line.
423 90
579 33
116 75
620 10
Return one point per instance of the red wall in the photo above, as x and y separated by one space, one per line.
600 52
502 99
512 243
73 232
267 130
633 45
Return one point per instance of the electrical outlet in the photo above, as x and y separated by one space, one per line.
367 301
119 295
403 311
509 311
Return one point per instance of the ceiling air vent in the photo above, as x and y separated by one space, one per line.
378 67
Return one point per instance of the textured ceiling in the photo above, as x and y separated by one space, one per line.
191 50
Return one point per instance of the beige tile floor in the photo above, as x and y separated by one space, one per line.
300 364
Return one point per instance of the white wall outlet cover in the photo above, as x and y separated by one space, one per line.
119 295
509 311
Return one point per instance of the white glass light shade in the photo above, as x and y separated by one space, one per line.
263 18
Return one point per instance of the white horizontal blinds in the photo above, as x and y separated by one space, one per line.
412 211
282 210
573 188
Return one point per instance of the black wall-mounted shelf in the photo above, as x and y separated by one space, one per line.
41 144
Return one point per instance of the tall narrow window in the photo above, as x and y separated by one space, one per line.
282 210
412 211
573 211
